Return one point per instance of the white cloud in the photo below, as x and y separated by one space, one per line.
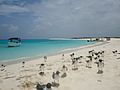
10 28
13 28
71 17
75 17
8 9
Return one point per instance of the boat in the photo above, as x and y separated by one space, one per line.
14 42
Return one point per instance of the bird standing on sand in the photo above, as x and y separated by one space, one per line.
2 67
100 66
64 70
44 86
72 56
75 64
89 62
56 77
63 56
48 86
114 52
45 58
96 57
91 53
102 53
23 64
42 67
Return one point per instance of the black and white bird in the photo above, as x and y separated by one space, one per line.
44 86
100 66
3 67
42 67
115 52
56 76
89 61
72 55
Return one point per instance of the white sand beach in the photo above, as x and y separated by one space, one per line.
16 77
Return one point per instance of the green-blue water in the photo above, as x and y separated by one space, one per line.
36 47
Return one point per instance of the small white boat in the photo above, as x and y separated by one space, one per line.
14 42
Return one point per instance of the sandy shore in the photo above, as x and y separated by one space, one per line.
15 76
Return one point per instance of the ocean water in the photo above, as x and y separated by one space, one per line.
36 47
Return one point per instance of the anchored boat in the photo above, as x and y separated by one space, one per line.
14 42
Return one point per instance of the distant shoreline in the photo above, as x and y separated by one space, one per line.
61 38
53 54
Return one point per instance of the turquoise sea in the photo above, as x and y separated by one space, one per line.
36 47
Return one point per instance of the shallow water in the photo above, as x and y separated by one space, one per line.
37 47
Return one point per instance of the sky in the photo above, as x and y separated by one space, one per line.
59 18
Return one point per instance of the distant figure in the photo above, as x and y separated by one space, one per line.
100 66
45 58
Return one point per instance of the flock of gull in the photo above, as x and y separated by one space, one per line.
93 56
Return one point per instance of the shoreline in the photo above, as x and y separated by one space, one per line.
84 78
65 51
39 54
